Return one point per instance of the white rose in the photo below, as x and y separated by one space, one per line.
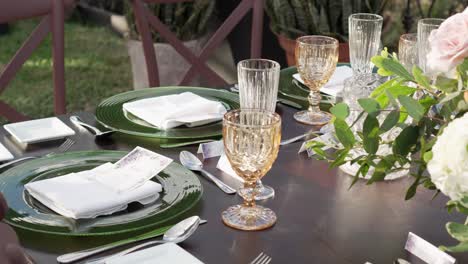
449 164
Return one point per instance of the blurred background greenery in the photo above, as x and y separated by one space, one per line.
97 63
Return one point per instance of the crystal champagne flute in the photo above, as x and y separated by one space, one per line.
258 89
251 142
316 58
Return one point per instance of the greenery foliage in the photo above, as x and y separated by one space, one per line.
188 20
293 18
439 103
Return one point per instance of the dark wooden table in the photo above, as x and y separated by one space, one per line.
319 219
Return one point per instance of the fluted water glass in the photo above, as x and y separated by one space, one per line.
425 27
364 40
258 89
251 141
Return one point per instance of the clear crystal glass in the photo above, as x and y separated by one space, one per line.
364 40
258 89
408 50
258 83
316 58
425 27
355 88
251 142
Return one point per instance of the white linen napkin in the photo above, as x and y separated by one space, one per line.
170 111
335 85
168 253
91 193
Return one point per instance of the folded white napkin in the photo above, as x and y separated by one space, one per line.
168 253
336 83
100 191
5 154
170 111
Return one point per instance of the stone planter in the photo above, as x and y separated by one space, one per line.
171 65
289 46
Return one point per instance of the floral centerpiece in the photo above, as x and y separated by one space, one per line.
429 119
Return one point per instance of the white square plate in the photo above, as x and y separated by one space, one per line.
39 130
5 153
168 253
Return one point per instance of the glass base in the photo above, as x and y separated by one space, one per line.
249 218
313 118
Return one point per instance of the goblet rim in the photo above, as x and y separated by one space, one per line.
370 17
276 120
334 41
275 65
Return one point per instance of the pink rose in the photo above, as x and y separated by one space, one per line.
449 43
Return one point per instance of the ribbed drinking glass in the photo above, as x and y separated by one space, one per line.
364 40
258 89
425 27
408 50
251 142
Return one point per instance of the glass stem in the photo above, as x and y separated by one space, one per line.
314 101
249 195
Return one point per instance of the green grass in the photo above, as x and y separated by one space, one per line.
96 67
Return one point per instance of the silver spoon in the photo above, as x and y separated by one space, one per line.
175 234
191 162
97 133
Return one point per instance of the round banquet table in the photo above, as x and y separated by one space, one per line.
320 220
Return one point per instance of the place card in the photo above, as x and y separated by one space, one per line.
211 149
133 170
225 166
426 251
328 139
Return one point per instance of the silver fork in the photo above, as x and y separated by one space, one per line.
66 145
261 259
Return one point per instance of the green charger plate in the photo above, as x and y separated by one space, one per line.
182 191
111 115
289 91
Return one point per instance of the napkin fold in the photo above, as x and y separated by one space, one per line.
335 85
105 189
166 112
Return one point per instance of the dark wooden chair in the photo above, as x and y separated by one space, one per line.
144 19
10 250
53 13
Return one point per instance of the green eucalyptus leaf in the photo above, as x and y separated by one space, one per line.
340 110
392 87
420 78
340 158
390 121
427 156
380 171
407 138
450 97
369 105
344 133
458 231
427 102
446 85
461 247
370 133
413 107
393 66
412 189
462 70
